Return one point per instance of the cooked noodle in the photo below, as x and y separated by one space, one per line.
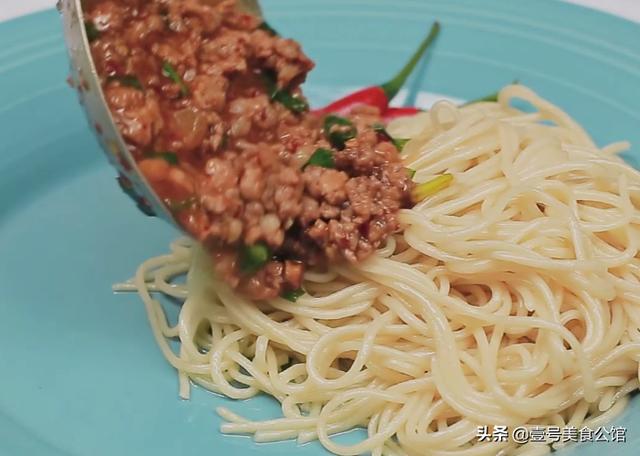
511 298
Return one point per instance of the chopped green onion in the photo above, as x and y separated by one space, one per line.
169 157
423 191
127 80
382 131
293 103
322 158
181 205
170 72
411 173
92 31
293 295
339 130
267 28
400 143
491 98
253 258
225 141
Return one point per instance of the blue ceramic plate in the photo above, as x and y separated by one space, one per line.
79 371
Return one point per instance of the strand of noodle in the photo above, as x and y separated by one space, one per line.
315 358
510 298
157 319
368 443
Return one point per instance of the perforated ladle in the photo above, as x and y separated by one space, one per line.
84 78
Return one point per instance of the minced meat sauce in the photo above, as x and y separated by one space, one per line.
208 100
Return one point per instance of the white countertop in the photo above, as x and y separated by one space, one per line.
629 9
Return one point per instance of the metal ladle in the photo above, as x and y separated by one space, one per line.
84 78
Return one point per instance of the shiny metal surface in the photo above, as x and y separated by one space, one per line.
84 78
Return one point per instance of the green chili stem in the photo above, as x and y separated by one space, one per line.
392 87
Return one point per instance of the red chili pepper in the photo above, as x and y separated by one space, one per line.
395 113
371 96
407 111
380 96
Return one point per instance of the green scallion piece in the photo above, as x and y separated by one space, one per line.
322 158
170 72
423 191
293 103
181 205
127 80
400 143
411 173
339 130
293 295
92 31
169 157
267 28
487 99
491 98
253 258
382 131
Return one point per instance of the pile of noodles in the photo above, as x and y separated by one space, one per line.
512 297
